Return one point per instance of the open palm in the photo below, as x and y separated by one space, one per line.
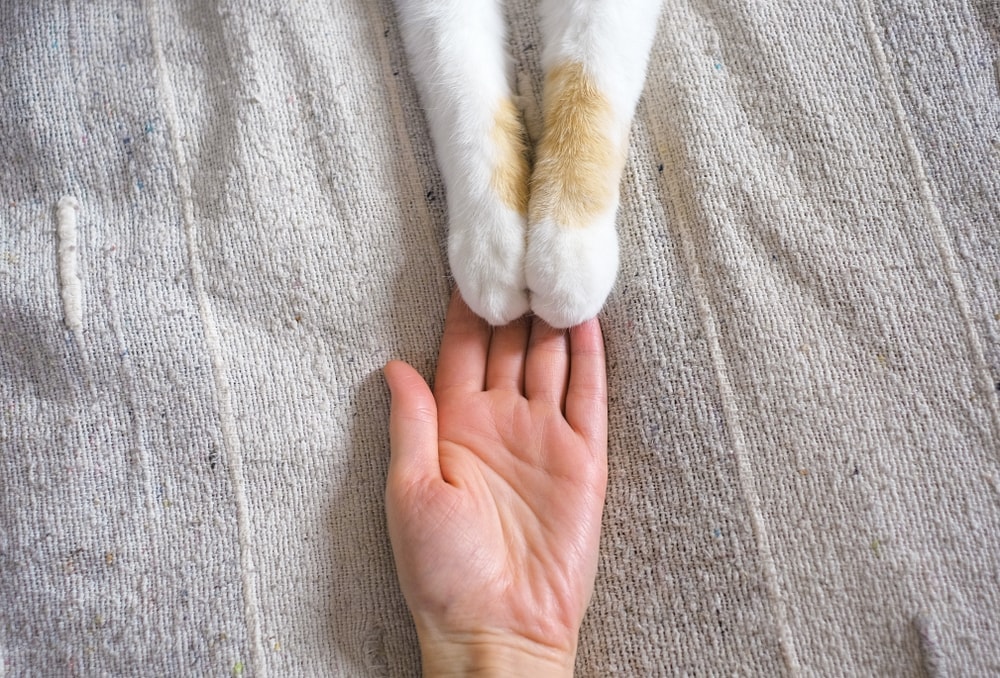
496 483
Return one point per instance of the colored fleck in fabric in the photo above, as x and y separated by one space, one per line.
803 340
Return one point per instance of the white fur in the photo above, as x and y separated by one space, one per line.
571 271
456 54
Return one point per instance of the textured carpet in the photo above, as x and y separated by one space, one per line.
218 222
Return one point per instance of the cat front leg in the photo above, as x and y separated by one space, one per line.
594 60
456 53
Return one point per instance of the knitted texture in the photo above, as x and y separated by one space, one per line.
217 223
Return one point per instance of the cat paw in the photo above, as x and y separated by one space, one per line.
570 270
487 261
572 257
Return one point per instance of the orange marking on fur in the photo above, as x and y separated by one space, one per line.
578 165
512 171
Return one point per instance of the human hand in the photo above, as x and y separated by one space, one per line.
495 491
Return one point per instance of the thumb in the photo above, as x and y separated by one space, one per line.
413 425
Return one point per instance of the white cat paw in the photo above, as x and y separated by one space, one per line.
570 270
487 260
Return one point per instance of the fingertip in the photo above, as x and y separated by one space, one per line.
401 377
546 368
592 323
464 348
412 423
506 356
392 372
394 365
586 342
458 309
587 398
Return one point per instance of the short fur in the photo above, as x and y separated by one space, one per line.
519 237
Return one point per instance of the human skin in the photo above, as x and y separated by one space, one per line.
495 492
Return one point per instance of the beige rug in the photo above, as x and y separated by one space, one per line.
803 341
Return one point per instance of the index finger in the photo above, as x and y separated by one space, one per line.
464 347
587 395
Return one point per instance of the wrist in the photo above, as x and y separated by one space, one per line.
493 655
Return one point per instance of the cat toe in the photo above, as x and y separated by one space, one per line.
494 301
570 270
487 261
